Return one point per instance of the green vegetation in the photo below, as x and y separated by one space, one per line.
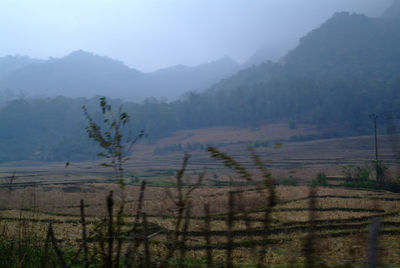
361 177
260 143
358 176
287 181
320 180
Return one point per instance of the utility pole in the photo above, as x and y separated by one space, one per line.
374 117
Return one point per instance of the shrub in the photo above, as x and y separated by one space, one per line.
320 180
260 143
287 181
292 125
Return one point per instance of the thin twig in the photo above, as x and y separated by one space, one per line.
56 249
230 222
83 223
207 224
145 239
110 204
132 233
184 234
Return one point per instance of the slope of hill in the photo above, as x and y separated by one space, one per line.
370 47
393 12
339 73
82 74
8 64
273 52
347 45
182 78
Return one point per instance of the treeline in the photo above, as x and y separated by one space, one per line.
54 129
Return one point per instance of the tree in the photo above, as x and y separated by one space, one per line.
117 150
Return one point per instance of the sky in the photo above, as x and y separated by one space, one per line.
153 34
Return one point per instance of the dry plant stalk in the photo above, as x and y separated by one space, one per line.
116 152
46 249
373 243
147 260
309 244
230 223
207 226
231 163
247 222
267 182
272 201
110 233
10 181
56 248
84 242
184 235
133 239
181 202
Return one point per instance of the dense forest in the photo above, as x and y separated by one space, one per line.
338 74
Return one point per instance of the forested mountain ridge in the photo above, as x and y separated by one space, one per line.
78 74
393 12
83 74
339 73
347 45
8 64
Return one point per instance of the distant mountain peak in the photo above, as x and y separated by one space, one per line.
226 58
12 63
80 53
393 11
223 61
83 56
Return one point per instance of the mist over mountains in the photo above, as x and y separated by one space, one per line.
393 12
339 73
83 74
10 64
347 46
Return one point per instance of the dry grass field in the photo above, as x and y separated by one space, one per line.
342 219
43 193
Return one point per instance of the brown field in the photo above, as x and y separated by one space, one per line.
48 192
343 232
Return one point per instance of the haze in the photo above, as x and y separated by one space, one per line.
153 34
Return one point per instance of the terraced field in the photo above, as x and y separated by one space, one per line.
340 221
240 226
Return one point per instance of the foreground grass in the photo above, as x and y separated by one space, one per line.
341 226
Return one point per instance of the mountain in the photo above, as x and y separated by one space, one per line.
337 76
182 78
78 74
348 45
9 64
339 73
273 52
83 74
393 12
345 46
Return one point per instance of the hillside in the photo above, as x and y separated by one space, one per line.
10 64
338 74
333 80
82 74
393 12
369 48
348 45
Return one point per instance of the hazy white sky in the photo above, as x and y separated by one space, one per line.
151 34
